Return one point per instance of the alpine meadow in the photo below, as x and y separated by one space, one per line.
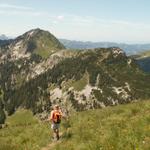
87 63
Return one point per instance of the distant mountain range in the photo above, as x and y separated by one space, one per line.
4 40
130 49
3 37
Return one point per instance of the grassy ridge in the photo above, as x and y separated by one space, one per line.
146 54
124 127
24 132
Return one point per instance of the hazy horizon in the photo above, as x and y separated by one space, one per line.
99 21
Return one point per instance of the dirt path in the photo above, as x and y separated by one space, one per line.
51 145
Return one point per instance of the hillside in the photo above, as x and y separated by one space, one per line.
123 127
24 131
24 58
143 59
146 54
77 80
4 42
113 128
91 79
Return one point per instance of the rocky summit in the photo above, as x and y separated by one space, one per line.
36 41
36 71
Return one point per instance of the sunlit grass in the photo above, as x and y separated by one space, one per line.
124 127
24 132
80 84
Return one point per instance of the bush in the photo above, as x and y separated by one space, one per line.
2 116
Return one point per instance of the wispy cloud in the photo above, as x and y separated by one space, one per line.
99 29
60 17
69 19
114 23
78 27
93 21
16 7
23 13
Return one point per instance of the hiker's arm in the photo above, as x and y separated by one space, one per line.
51 116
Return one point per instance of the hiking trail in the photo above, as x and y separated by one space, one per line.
52 144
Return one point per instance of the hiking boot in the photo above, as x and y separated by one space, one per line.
57 138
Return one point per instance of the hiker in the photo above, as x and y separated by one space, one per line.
55 117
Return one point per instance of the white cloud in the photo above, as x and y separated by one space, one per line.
60 17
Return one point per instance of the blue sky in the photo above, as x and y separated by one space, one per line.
87 20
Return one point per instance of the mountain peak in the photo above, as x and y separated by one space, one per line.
34 32
35 41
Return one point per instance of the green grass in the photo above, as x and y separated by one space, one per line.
67 85
77 85
123 127
144 54
80 84
43 53
147 53
24 132
46 44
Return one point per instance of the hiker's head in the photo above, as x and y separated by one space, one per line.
56 107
